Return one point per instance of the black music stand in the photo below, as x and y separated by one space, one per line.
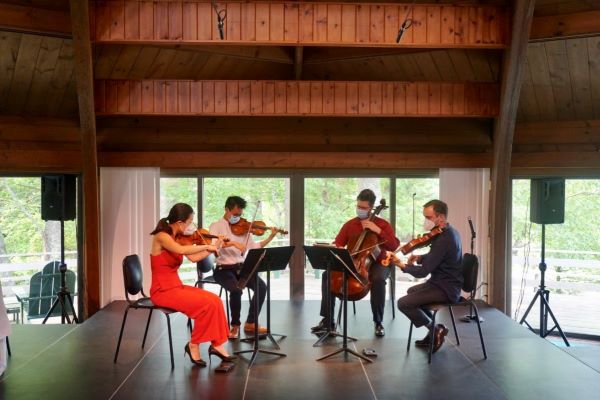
263 260
320 258
336 259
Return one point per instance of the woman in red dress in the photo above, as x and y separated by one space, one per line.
167 290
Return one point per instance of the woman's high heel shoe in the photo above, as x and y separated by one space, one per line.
199 363
212 351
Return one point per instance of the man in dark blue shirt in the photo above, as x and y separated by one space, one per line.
443 262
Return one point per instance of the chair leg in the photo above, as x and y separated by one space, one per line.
189 325
227 306
249 299
147 325
354 307
479 329
339 317
170 341
409 337
432 337
121 334
454 325
393 292
8 347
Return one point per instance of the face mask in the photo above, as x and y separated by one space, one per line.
428 224
191 228
362 214
234 219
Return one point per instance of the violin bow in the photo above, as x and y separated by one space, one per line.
258 204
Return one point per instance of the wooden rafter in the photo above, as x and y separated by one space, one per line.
294 98
31 20
565 26
302 24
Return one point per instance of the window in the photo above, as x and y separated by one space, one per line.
28 247
572 258
328 204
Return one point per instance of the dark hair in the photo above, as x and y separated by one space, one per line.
233 201
438 206
367 195
179 212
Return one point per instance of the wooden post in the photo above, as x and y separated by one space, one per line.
504 126
297 236
85 91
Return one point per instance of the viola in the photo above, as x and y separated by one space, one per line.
361 248
200 237
417 243
257 228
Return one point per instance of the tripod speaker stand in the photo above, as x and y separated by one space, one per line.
58 203
543 295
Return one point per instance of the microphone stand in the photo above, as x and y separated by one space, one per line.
471 317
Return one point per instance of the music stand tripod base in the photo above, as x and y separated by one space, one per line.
252 266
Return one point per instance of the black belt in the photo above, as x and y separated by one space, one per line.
229 266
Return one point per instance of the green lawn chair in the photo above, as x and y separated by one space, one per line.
43 287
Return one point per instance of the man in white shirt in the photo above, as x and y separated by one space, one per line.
230 260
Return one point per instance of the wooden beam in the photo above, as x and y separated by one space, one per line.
558 132
504 126
91 213
298 62
301 24
291 160
27 159
37 21
296 98
565 26
22 128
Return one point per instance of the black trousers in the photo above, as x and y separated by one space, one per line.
378 275
228 278
419 295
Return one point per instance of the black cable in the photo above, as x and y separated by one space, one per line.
221 17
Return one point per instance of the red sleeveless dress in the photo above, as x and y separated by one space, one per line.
205 308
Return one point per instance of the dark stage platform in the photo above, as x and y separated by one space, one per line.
75 362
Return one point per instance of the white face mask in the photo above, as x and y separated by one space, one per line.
234 219
191 228
362 214
428 225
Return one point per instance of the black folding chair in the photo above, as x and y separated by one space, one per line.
133 279
470 268
8 347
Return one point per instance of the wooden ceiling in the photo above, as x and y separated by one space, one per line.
561 81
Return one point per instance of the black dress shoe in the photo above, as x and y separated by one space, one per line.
322 326
199 363
424 342
438 337
214 352
379 331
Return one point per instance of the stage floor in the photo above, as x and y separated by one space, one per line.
75 362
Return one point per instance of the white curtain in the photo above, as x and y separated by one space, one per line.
130 206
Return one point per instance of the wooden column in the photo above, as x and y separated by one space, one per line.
297 236
504 126
85 91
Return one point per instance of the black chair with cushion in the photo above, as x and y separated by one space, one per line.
133 279
470 268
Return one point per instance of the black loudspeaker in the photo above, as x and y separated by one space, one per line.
548 200
56 191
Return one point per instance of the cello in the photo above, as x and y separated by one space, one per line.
361 247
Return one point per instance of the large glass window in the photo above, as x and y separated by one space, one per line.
572 257
30 252
328 204
268 198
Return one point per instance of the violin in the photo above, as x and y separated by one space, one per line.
257 228
417 243
200 237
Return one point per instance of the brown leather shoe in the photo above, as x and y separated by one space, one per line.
234 332
249 328
438 337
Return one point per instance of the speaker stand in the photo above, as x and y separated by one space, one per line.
544 295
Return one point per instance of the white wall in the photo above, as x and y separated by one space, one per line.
130 206
466 191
